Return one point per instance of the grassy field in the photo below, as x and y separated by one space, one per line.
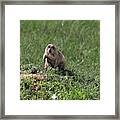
79 41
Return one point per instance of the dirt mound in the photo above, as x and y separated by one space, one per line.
36 76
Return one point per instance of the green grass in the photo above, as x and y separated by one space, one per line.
79 41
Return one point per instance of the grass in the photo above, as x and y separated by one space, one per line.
79 41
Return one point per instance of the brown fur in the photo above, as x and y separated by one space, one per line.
53 57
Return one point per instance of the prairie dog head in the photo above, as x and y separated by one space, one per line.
50 50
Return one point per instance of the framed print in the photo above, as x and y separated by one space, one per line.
60 59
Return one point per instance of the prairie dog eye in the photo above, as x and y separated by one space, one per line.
49 46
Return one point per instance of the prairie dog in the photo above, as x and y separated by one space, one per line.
53 57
